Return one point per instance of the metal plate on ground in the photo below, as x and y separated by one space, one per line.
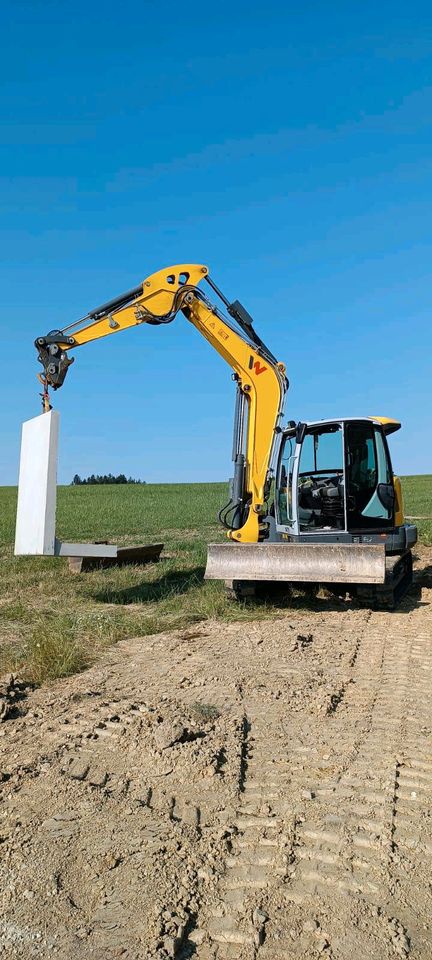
297 562
143 553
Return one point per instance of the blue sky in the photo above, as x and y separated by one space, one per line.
287 146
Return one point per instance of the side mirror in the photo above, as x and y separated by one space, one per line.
300 431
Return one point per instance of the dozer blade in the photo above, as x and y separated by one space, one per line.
312 563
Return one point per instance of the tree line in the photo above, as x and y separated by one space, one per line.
103 478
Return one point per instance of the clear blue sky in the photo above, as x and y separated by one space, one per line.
288 146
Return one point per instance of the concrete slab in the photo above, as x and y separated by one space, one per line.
94 550
142 553
37 490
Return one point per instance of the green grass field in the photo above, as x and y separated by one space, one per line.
53 622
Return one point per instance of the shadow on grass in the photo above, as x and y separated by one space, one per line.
169 585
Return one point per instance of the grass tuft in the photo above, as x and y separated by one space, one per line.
55 649
60 645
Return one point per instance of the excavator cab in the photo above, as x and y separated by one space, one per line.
335 478
337 516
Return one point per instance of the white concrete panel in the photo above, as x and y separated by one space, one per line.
37 489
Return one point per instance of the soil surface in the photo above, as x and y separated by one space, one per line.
254 791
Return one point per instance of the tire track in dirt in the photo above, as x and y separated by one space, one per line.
376 810
260 853
108 824
412 820
235 927
242 792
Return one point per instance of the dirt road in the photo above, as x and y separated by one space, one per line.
236 791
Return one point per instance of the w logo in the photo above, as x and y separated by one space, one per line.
258 368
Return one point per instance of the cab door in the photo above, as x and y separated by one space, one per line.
370 488
286 485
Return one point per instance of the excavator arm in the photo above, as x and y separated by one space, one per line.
260 378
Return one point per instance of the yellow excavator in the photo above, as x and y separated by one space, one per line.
309 502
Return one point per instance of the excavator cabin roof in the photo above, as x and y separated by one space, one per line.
387 423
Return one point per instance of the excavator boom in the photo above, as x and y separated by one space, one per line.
261 381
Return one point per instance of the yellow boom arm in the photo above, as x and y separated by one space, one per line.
260 378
